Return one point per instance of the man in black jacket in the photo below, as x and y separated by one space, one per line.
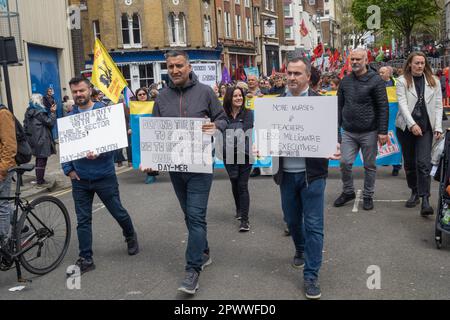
188 98
363 116
302 187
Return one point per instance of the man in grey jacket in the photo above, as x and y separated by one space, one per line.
186 97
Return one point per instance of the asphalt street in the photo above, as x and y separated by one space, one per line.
254 265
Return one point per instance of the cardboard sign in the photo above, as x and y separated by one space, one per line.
99 131
175 145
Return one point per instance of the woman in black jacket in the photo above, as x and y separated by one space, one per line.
38 124
237 142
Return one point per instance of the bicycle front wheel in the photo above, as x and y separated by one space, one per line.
43 235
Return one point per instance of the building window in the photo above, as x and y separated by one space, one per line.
327 12
125 70
248 25
288 33
125 30
288 10
272 5
247 3
237 1
227 25
256 16
219 23
207 31
238 27
131 31
136 23
177 29
267 4
146 77
96 28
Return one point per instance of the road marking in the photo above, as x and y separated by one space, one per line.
389 200
357 200
102 207
69 189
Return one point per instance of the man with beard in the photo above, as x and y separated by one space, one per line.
92 175
363 113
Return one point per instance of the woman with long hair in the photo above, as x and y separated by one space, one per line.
142 94
236 150
419 119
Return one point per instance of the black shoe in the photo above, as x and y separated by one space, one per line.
256 172
312 289
367 203
245 226
299 260
395 172
413 200
426 209
190 282
132 244
85 265
344 198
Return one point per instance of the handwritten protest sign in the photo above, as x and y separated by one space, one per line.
296 126
99 131
206 73
175 145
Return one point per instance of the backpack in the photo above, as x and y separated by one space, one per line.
24 153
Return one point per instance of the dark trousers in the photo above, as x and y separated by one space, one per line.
303 206
41 164
192 190
239 175
129 151
417 160
107 189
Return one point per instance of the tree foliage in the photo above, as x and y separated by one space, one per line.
401 15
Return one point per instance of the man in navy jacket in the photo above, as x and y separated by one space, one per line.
92 175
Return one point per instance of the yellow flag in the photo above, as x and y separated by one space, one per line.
105 74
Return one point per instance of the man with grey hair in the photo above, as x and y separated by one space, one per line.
363 116
188 98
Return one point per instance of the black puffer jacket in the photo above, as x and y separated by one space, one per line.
363 104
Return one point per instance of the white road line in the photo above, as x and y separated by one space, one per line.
98 209
389 200
357 200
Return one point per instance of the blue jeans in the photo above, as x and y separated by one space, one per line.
303 206
107 189
192 190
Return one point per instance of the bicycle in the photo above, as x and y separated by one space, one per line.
39 237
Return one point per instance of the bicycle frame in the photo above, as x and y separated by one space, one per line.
13 253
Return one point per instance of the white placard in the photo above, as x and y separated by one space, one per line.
206 73
296 126
99 131
175 144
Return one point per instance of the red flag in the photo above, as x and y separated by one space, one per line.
283 68
369 56
318 51
345 68
274 72
303 30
